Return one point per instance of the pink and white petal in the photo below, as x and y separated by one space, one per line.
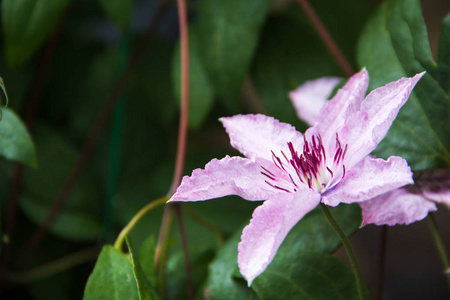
268 227
257 135
309 98
435 185
369 179
400 206
333 114
378 111
228 176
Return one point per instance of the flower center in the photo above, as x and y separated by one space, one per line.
309 168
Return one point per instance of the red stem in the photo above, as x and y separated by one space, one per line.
326 37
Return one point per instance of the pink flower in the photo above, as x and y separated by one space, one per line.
293 173
405 205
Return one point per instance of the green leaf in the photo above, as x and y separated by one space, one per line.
395 44
228 32
15 141
80 218
444 55
2 86
220 283
201 94
312 233
112 278
119 11
26 24
306 276
147 258
145 289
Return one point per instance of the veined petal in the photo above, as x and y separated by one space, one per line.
365 129
435 185
309 98
370 178
270 224
334 113
228 176
257 135
400 206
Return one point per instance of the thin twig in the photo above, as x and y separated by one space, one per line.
326 37
97 129
439 246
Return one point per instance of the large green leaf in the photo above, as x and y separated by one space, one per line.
201 93
306 275
228 34
15 141
145 290
394 44
26 24
312 233
80 218
112 277
119 11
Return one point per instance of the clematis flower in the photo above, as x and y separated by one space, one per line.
404 205
293 173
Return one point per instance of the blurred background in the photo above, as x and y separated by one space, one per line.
97 87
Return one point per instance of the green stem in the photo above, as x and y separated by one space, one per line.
119 241
439 245
348 248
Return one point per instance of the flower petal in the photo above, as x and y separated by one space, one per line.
435 185
334 113
309 98
228 176
270 224
257 135
368 179
400 206
366 128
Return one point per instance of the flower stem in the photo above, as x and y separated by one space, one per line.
348 248
119 241
439 245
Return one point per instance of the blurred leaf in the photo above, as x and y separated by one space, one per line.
444 55
145 289
312 233
119 11
147 258
80 218
290 53
26 24
112 277
228 32
306 275
15 141
201 94
395 44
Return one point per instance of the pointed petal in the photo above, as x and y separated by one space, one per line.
334 113
309 98
435 185
400 206
368 179
228 176
270 224
257 135
366 128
